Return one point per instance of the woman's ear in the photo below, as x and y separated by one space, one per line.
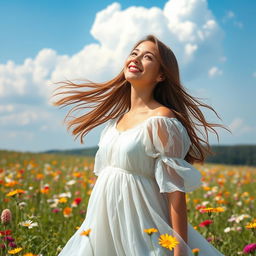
161 77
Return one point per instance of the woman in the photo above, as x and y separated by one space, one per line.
144 158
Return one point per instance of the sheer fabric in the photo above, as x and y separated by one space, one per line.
136 169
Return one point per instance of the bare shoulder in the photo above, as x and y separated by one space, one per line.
164 111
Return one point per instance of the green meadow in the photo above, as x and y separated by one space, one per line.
47 195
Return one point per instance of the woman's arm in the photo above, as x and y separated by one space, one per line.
178 216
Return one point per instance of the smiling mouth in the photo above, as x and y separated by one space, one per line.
133 68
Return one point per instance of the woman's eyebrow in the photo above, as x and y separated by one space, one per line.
145 52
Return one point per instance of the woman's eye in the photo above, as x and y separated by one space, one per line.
148 57
133 54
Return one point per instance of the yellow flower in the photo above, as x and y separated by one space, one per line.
251 225
16 250
63 200
16 191
85 232
150 231
196 250
211 209
29 254
168 241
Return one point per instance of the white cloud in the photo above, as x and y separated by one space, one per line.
239 127
24 117
6 108
214 71
188 27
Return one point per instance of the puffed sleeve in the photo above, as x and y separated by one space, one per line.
99 160
168 142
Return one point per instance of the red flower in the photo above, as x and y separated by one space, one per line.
77 200
5 232
206 223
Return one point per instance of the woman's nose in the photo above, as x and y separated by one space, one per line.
136 58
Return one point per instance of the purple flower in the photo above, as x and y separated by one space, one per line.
12 244
9 238
249 248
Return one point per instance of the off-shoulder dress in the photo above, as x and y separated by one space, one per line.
136 168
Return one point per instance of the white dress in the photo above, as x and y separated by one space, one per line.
135 168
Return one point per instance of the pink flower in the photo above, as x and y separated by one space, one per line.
206 223
249 248
6 216
56 210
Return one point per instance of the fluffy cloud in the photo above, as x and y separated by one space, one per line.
188 27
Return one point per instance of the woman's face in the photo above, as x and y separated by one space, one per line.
142 66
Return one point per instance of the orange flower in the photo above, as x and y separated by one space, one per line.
86 232
45 190
150 231
67 211
39 176
11 183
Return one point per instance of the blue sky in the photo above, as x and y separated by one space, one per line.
43 41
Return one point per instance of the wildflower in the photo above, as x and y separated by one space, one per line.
12 245
85 232
14 251
29 224
67 211
29 254
63 200
211 209
251 225
77 200
67 194
150 231
249 248
168 241
22 204
5 232
15 192
6 216
8 238
196 251
205 223
45 189
56 210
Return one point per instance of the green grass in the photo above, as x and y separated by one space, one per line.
231 187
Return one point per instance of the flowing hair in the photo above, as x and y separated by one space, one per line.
112 98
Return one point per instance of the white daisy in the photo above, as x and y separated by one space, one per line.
29 224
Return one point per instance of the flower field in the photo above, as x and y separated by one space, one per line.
44 200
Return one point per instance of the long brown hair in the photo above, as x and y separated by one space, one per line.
112 98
